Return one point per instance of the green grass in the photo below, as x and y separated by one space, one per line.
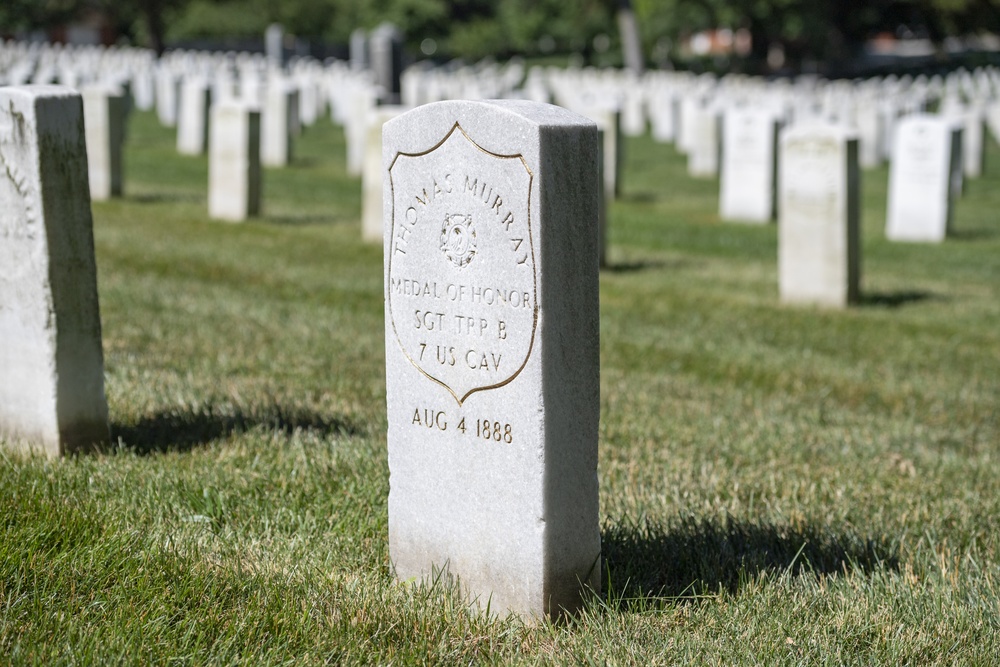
778 485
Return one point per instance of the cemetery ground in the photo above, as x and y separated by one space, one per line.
779 485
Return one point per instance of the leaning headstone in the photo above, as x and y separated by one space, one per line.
372 227
818 216
192 119
51 363
492 368
104 118
234 162
920 193
749 166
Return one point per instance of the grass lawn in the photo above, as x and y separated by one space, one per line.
778 485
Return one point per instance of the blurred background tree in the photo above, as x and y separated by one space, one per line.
826 31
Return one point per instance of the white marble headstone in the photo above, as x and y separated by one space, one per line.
749 166
104 115
492 365
51 362
920 192
234 162
372 227
818 216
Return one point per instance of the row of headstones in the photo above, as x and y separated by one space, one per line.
492 439
926 172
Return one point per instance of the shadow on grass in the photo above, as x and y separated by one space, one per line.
894 299
639 197
164 197
182 430
296 220
974 234
644 265
644 560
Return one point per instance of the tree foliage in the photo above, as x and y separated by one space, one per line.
818 29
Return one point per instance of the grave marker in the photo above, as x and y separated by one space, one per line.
51 362
372 227
818 216
749 166
920 194
234 162
492 365
104 116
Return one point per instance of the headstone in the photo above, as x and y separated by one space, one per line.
104 118
359 113
920 193
749 166
192 119
492 368
973 138
276 133
167 96
51 362
372 227
274 38
386 53
704 145
869 125
818 216
234 162
612 146
359 50
662 116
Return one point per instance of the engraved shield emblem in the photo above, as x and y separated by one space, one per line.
461 289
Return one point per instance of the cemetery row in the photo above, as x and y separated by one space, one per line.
492 241
931 129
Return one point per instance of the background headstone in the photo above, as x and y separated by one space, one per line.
492 364
51 362
372 227
749 166
192 118
920 195
818 216
234 162
104 117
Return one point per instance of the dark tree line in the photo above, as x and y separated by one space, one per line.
823 30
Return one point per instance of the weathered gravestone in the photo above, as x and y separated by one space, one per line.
51 363
234 162
104 116
818 216
920 193
492 365
749 166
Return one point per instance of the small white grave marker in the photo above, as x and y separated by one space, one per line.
920 192
749 166
234 162
818 216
